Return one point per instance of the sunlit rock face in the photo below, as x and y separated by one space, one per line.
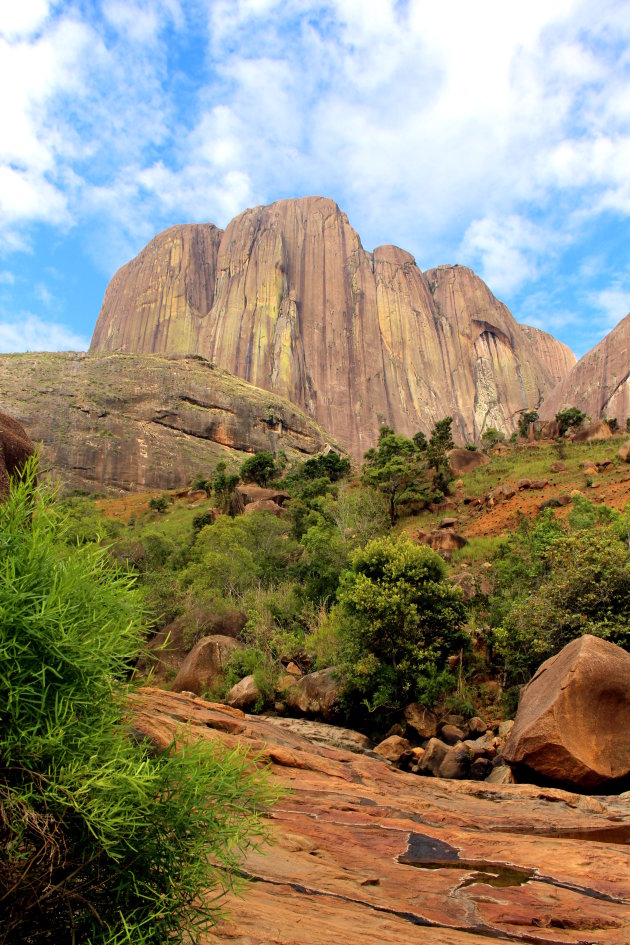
599 384
557 356
288 299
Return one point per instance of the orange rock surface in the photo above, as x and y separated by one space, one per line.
365 854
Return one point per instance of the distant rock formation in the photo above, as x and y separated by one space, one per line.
556 356
134 422
599 384
288 299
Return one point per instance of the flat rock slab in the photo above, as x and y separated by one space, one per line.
365 854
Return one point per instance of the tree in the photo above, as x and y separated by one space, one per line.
571 417
440 442
525 420
259 468
491 436
398 620
223 486
102 839
395 469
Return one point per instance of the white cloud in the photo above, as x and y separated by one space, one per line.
6 277
23 18
505 252
612 303
31 333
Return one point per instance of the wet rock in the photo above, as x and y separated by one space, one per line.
573 719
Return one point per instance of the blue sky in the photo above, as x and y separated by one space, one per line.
487 133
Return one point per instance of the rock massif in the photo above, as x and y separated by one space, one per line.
288 299
557 356
145 422
364 854
599 384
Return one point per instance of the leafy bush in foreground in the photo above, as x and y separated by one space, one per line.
101 839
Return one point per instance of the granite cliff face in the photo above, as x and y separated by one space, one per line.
557 356
356 339
600 382
133 422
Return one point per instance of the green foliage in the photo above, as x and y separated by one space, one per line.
396 469
571 417
158 504
525 420
440 442
259 468
613 423
223 486
202 519
420 441
200 483
397 620
491 437
331 466
102 839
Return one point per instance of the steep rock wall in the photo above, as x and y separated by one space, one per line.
356 339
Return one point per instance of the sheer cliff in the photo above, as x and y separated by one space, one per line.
287 299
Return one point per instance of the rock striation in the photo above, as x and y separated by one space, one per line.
356 339
363 853
557 357
142 422
599 384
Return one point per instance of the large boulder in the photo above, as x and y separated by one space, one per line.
573 720
462 461
205 663
316 694
15 449
593 432
249 493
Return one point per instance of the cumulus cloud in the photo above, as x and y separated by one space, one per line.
31 333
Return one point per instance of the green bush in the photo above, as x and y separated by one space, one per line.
259 468
571 417
397 621
102 840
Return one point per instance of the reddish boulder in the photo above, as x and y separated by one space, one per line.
15 449
421 720
595 431
249 493
462 461
265 505
244 695
624 452
573 720
205 663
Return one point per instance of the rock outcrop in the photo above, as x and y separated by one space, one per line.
599 384
356 339
16 449
573 720
140 422
363 853
558 357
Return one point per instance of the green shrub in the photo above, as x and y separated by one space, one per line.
102 840
397 621
158 504
259 468
571 417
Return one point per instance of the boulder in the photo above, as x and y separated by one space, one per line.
167 650
265 505
624 452
451 734
435 752
247 493
15 449
421 721
205 663
477 726
455 764
244 695
502 774
594 431
447 522
573 721
462 461
316 694
480 769
393 749
557 467
443 540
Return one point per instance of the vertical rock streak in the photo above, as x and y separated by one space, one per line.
288 299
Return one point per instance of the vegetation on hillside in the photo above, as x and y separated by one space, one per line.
101 838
